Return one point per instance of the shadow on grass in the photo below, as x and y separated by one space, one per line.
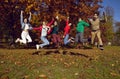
36 53
63 52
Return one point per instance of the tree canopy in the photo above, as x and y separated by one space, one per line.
10 9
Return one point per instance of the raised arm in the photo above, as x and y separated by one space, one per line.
50 23
21 18
58 21
90 19
67 21
30 16
86 24
38 28
104 19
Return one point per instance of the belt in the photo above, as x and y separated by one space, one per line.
95 30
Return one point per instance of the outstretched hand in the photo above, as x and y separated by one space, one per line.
22 11
30 13
68 18
63 36
57 17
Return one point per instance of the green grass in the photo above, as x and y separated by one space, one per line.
75 64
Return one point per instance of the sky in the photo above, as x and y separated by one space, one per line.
115 4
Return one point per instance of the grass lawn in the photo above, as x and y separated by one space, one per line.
60 64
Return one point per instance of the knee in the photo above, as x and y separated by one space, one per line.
47 43
99 38
30 41
24 42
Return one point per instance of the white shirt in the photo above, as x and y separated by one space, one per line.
44 31
26 27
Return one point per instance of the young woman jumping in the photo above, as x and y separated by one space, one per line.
45 29
55 33
67 29
25 26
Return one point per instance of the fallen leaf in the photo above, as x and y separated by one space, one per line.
113 65
113 74
26 77
76 74
42 76
2 62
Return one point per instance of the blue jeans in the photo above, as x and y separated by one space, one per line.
80 38
45 41
66 39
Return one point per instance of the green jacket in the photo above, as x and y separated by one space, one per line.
81 25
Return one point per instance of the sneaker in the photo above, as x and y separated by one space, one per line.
72 38
72 41
41 46
101 47
37 47
18 39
